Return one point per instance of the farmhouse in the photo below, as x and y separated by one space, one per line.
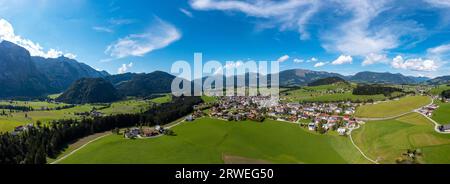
445 128
341 131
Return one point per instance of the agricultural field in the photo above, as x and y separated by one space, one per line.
438 90
392 108
442 114
17 118
36 105
215 141
163 99
128 106
387 140
329 93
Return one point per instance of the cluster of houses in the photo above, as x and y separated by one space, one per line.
239 108
428 110
143 132
329 116
22 128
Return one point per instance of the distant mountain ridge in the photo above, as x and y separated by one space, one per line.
439 80
62 71
327 81
19 77
301 77
22 75
385 78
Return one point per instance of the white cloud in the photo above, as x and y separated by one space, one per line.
355 37
7 33
296 60
283 58
320 64
342 59
158 36
439 3
229 66
313 59
124 68
102 29
70 56
439 50
186 12
290 14
415 64
374 58
120 21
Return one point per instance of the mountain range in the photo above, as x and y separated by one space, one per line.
22 75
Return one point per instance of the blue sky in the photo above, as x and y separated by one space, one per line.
345 36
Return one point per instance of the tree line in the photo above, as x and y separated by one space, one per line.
375 89
445 94
37 143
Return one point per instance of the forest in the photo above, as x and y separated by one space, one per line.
48 140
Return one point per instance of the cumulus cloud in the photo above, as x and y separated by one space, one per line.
374 58
320 64
186 12
160 35
7 33
415 64
124 68
290 14
313 59
283 58
342 59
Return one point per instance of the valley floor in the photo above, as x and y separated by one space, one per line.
209 140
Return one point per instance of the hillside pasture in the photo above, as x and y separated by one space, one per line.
210 141
387 140
392 108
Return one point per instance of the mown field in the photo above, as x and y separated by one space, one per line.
392 108
215 141
442 114
386 140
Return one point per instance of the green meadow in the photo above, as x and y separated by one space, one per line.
385 141
215 141
439 89
16 118
392 107
442 114
328 93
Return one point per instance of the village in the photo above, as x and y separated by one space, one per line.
320 117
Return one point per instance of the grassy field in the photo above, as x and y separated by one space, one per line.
392 108
210 141
387 140
163 99
327 93
438 90
36 105
442 114
7 123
